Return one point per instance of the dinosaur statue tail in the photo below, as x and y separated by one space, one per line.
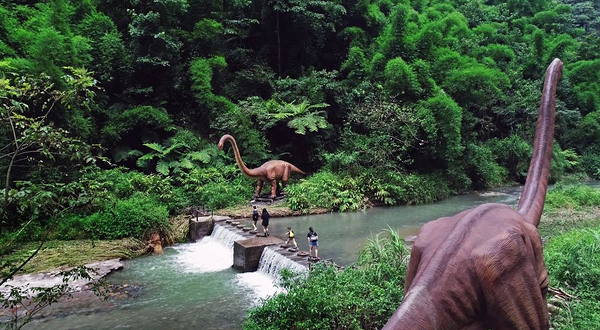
532 200
295 169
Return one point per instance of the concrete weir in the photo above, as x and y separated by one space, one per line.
246 253
248 246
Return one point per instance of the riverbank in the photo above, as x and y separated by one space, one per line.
276 210
80 294
61 254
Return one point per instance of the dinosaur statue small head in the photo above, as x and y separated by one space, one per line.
223 139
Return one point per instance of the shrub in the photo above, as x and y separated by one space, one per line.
326 190
137 217
572 196
359 297
396 188
590 162
73 226
218 187
513 153
482 169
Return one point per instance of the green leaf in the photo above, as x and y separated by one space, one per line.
186 163
156 147
202 156
162 167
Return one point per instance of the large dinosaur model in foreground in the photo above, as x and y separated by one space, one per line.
271 171
483 268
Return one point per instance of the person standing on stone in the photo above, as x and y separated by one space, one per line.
254 218
291 237
313 243
265 221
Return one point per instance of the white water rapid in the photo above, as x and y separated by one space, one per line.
271 263
214 253
211 254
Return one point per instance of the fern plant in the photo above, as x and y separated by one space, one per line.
302 117
180 152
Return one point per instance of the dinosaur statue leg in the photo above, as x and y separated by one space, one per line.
259 186
273 188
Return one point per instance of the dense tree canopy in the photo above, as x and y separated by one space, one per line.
379 91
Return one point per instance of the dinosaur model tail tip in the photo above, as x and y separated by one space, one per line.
297 170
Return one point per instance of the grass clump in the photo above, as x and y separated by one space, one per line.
573 261
57 254
572 197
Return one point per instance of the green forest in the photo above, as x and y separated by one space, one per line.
111 109
381 102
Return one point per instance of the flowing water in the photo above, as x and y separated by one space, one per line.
192 286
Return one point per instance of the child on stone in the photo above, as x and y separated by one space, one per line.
291 237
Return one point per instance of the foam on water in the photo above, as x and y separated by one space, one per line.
264 281
271 263
261 285
211 254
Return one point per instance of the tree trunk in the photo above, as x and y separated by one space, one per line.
278 47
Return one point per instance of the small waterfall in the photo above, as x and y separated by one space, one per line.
211 254
263 281
271 263
224 236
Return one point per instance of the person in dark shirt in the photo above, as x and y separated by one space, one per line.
254 218
313 243
265 221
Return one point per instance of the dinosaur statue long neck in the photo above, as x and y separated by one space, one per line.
252 173
532 200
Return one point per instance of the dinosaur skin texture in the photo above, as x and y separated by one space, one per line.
271 171
483 268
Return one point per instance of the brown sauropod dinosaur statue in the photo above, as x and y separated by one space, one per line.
271 171
483 268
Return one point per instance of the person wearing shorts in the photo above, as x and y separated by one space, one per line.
313 243
254 218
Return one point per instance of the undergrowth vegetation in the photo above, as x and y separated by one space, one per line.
573 262
359 297
572 196
342 192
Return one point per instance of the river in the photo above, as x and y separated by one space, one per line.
192 286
